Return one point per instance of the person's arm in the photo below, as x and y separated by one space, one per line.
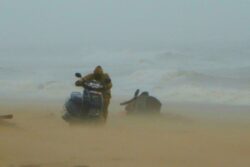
87 78
81 81
108 82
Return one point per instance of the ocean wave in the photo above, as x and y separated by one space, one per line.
205 80
160 77
170 75
181 85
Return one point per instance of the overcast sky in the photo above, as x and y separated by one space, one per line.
25 23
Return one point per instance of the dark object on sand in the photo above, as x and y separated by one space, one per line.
9 116
142 103
86 106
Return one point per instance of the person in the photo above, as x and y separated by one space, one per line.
105 80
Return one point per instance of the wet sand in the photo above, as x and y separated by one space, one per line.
181 136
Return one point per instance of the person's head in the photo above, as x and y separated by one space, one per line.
98 72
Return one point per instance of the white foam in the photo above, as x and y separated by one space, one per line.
169 75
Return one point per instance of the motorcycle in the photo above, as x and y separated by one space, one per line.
86 106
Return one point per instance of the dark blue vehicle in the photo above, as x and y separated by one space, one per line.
86 106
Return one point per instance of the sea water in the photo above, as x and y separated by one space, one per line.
203 75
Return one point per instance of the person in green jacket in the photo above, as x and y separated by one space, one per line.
105 80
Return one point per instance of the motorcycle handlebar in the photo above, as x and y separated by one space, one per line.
91 88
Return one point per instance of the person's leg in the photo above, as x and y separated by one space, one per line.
105 107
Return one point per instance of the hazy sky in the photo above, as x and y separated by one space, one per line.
25 23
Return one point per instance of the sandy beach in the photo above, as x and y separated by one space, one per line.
193 56
38 137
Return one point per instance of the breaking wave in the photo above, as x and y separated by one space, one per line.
169 75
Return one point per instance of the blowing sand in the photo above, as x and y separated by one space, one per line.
181 137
